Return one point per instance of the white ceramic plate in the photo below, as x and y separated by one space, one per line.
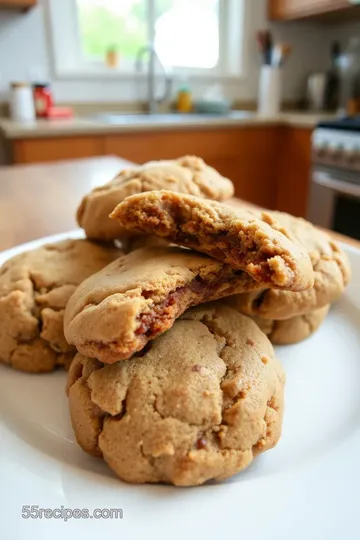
308 487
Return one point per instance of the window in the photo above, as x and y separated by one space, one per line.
186 31
196 36
110 24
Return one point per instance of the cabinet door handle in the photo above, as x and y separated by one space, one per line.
326 180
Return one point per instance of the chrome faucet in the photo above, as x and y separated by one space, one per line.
153 57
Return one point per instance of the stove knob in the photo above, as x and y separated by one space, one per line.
321 151
351 157
354 157
337 152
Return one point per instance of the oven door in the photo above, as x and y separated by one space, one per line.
335 201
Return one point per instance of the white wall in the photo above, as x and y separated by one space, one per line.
23 44
306 39
25 53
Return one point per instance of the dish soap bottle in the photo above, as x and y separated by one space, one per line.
184 98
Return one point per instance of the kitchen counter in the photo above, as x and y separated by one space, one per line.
26 192
132 123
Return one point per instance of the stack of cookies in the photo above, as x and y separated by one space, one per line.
173 377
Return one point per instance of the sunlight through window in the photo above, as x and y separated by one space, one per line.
186 31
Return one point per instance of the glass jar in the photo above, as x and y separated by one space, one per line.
21 102
43 99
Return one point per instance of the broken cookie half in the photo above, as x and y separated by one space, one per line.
265 251
201 403
114 313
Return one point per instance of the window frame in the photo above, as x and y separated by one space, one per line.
70 63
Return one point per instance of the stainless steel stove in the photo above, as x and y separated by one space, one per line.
335 187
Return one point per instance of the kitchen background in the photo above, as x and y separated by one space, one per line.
303 159
26 50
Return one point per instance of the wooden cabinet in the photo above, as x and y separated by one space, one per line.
247 155
294 170
298 9
18 4
55 149
269 165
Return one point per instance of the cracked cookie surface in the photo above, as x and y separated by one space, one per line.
182 414
331 275
115 312
246 242
293 330
34 289
188 174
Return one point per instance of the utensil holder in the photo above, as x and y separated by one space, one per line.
269 91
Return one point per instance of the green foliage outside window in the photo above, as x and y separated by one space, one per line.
102 29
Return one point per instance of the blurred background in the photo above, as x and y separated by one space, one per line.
266 91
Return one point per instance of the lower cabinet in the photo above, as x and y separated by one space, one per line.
55 149
269 165
247 156
294 170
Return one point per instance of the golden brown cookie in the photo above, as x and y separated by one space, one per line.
265 251
188 174
200 403
34 289
114 313
293 330
145 241
331 273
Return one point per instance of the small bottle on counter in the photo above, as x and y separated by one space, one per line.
184 99
21 102
43 99
353 102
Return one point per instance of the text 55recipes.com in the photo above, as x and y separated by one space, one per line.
35 512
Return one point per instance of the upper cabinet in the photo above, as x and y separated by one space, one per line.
282 10
22 5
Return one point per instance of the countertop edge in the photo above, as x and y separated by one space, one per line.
77 127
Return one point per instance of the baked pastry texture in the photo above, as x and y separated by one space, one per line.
331 275
114 313
187 174
200 403
255 244
34 289
293 330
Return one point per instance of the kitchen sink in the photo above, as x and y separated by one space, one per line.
164 118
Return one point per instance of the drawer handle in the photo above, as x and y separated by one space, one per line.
324 179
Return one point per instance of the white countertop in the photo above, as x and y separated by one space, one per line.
129 123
